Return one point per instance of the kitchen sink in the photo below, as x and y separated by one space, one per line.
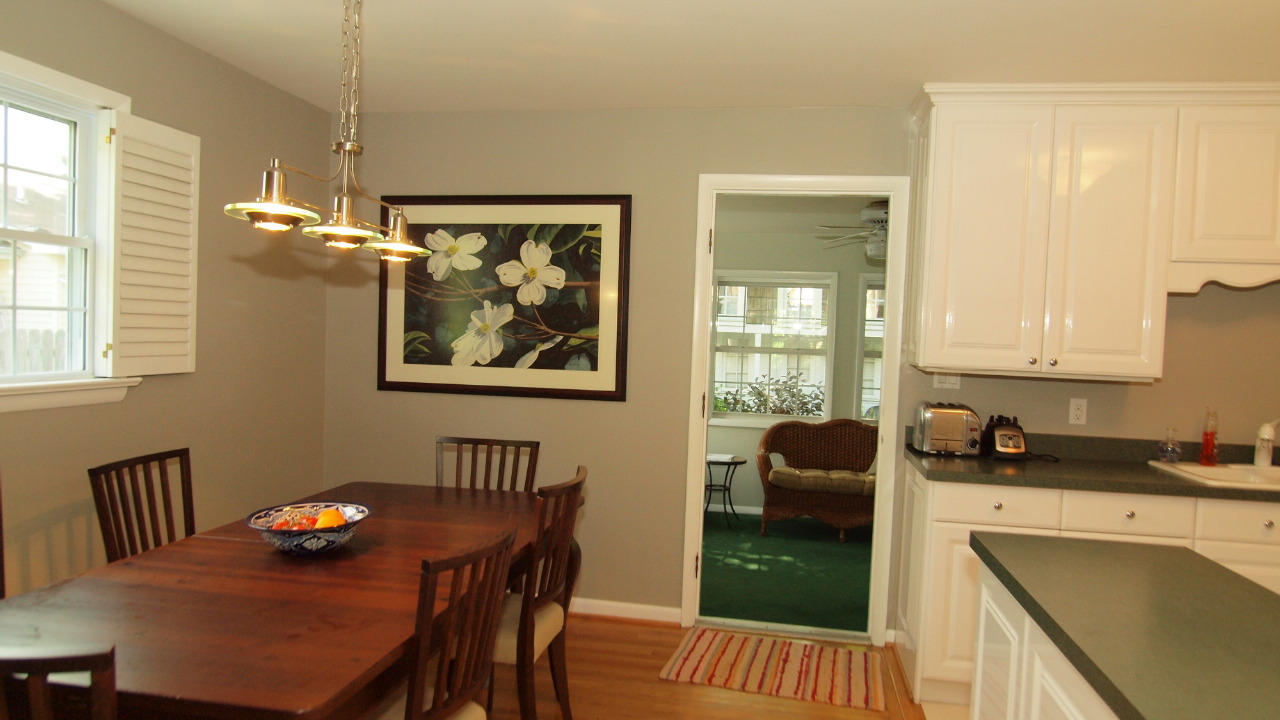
1232 475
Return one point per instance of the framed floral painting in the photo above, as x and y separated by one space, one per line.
521 295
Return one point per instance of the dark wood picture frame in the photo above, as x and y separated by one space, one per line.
523 295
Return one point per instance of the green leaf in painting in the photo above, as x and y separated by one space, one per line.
415 344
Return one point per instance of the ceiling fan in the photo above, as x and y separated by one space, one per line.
873 232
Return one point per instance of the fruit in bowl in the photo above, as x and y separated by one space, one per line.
308 528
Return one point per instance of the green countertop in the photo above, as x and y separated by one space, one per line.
1160 633
1071 474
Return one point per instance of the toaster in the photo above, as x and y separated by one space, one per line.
946 429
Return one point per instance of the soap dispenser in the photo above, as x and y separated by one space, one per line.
1264 443
1170 450
1209 439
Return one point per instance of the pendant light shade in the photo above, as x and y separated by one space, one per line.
274 210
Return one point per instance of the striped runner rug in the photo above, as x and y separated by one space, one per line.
844 675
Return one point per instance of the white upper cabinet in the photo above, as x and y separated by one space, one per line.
1227 216
1045 238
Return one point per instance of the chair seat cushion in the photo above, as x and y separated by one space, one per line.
547 623
836 481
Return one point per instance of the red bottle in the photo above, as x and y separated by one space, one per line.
1209 441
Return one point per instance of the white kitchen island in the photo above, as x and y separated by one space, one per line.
1093 629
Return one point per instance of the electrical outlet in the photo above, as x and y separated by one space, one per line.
946 380
1078 412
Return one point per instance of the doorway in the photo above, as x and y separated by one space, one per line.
879 285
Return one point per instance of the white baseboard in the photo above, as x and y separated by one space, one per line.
629 611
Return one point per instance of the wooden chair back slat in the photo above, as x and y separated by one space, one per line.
547 580
135 501
487 464
453 647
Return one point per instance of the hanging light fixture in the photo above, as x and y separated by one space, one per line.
274 210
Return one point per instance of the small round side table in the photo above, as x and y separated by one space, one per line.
730 464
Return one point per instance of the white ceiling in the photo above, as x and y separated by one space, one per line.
469 55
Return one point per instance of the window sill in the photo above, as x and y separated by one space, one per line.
64 393
760 421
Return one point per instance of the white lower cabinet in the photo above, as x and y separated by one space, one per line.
938 598
1020 674
1242 536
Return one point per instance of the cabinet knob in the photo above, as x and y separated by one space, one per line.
999 505
1268 524
1053 362
1130 514
1032 361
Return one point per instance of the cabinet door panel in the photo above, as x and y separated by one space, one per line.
952 615
983 284
1108 240
1228 206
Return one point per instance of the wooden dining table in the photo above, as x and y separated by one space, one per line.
222 625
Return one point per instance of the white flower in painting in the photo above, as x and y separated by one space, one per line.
531 357
532 273
481 342
448 253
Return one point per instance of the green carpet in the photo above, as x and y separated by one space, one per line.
801 574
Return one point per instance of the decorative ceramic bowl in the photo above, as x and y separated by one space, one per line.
286 527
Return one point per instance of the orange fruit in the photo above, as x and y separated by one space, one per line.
331 517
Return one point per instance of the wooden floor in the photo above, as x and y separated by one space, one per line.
613 675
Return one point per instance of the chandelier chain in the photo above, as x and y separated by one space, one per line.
350 89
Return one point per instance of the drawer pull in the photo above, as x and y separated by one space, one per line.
999 505
1268 524
1130 514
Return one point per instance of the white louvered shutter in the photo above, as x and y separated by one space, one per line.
149 324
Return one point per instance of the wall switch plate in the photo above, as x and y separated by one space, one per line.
1078 411
946 380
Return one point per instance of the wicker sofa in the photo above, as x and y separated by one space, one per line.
824 472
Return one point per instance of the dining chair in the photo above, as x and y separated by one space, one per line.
452 648
32 666
484 463
534 619
136 498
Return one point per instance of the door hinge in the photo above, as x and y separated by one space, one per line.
704 404
711 239
697 564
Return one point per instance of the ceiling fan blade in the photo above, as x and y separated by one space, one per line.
835 242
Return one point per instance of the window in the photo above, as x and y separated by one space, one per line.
97 241
871 348
773 349
46 177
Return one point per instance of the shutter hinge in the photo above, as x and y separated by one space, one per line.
106 350
111 134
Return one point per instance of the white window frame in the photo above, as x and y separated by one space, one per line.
143 276
866 281
829 281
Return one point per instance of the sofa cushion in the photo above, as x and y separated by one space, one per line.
838 481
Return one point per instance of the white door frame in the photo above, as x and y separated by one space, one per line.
896 188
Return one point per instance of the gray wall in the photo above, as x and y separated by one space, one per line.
252 413
632 526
